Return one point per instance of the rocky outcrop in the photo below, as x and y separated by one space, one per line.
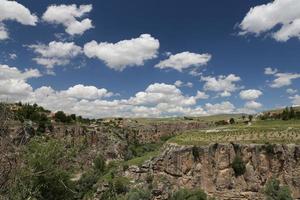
153 132
209 168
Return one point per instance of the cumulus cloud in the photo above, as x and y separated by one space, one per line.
13 85
179 83
118 56
201 95
296 100
253 105
270 71
291 91
265 18
55 53
282 79
87 92
224 85
12 56
157 100
251 94
69 16
220 108
14 11
184 60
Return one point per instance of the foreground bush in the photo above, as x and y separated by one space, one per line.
42 176
274 191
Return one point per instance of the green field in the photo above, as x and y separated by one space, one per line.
273 131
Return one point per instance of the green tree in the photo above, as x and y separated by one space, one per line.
60 116
231 121
42 176
292 114
238 166
250 117
274 191
99 164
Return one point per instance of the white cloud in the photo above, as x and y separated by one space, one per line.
284 14
125 53
225 94
69 16
296 100
284 79
87 92
253 105
13 82
201 95
250 94
270 71
14 11
220 108
281 79
291 91
184 60
157 100
179 83
55 53
224 85
12 56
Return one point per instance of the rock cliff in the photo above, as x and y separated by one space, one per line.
209 168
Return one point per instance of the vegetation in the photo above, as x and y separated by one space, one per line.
260 132
289 113
274 191
189 195
138 194
238 166
43 176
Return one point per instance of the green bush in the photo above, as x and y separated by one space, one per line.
195 152
274 191
99 164
269 148
238 166
138 194
185 194
86 183
121 185
42 176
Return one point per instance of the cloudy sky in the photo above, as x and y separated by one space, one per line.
151 58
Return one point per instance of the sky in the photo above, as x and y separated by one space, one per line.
111 58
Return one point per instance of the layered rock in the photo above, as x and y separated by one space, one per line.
209 168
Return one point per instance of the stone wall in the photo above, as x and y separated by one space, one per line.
209 168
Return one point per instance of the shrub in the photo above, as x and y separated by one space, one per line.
274 191
269 148
86 183
195 152
121 185
231 121
238 166
138 194
189 195
99 164
149 178
42 176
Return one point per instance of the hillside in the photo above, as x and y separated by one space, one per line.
69 157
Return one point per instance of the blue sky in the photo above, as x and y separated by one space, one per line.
228 46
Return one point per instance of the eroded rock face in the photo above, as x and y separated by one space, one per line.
211 170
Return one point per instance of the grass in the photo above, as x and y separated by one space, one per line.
259 132
140 160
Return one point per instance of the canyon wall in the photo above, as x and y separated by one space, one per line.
209 168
